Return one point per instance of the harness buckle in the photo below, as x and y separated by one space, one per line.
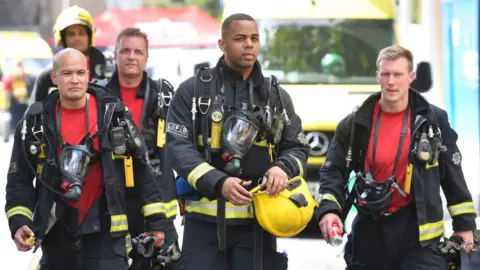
166 98
203 103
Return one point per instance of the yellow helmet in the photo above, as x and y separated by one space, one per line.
288 213
70 16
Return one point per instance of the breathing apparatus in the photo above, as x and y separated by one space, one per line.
428 143
73 160
375 196
241 129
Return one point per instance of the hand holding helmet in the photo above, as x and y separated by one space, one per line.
276 180
234 191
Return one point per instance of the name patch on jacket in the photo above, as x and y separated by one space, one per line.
177 129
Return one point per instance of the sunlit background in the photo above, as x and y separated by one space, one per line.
322 51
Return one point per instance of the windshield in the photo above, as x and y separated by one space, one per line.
323 51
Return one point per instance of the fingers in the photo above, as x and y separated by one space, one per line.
238 198
281 183
326 225
270 182
20 241
323 229
28 231
246 183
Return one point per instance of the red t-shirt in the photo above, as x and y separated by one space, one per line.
390 127
73 132
134 104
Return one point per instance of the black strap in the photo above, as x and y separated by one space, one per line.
145 105
204 105
257 246
59 121
402 138
221 224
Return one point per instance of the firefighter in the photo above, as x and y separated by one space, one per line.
230 129
403 151
74 28
148 100
75 144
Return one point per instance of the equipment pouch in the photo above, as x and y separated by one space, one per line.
185 191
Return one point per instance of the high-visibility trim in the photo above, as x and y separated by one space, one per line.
128 243
209 208
153 208
171 208
20 210
118 156
330 197
428 165
263 143
461 208
431 230
119 223
198 172
300 167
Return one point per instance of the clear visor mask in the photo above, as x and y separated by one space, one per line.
241 134
75 160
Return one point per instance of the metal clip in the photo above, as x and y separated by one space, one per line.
194 108
287 120
209 78
204 103
166 98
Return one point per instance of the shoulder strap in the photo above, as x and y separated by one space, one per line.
277 98
206 91
100 82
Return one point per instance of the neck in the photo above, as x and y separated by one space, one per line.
73 104
393 107
130 81
245 71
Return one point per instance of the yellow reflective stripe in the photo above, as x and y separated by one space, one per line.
119 223
171 208
428 165
118 156
198 172
431 230
461 208
209 208
20 210
153 208
330 197
263 143
128 243
300 167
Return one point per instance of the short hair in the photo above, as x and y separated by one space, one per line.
130 32
227 23
60 54
395 52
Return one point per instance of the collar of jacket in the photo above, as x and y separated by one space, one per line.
96 56
114 84
416 101
234 76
